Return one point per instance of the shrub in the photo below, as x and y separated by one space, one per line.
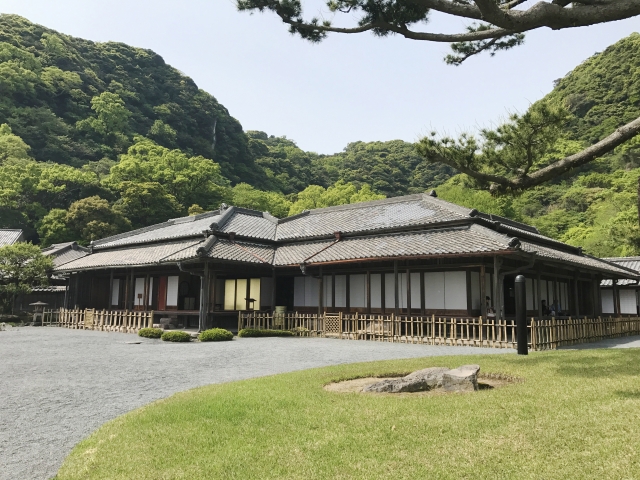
252 332
176 336
216 335
150 332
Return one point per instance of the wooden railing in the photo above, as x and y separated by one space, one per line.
434 330
546 334
125 321
429 330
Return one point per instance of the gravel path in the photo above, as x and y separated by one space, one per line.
59 385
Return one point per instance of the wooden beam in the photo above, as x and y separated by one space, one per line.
273 290
576 297
422 299
497 288
483 292
368 290
539 289
320 292
616 298
109 301
204 298
408 292
396 307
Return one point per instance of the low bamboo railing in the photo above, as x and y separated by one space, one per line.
542 334
125 321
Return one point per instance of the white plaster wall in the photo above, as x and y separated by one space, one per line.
357 291
607 301
455 290
628 301
341 291
115 292
376 290
434 290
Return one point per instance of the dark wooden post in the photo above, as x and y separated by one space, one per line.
333 291
110 300
422 299
213 292
383 302
347 285
132 300
616 298
497 288
320 292
125 300
145 300
408 292
396 306
75 290
483 292
576 294
204 298
368 291
273 290
539 292
521 315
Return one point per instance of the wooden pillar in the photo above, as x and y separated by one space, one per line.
576 294
132 286
75 289
539 292
333 291
616 298
383 302
204 298
469 296
368 291
497 288
110 296
396 307
422 299
273 290
320 292
213 292
347 285
483 292
145 293
127 293
408 292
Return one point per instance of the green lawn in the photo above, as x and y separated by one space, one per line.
577 415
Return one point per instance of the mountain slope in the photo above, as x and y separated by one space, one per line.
50 82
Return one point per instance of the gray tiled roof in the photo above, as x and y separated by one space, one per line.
471 239
132 256
411 210
65 252
566 257
629 262
253 225
9 236
242 252
177 228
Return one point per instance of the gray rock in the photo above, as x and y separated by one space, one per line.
166 323
420 381
461 379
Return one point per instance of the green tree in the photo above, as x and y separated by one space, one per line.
11 146
341 193
187 178
146 203
244 195
86 220
22 266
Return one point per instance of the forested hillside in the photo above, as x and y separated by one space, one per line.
99 138
595 207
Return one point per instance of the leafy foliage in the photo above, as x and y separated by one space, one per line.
74 101
22 266
341 193
253 332
176 336
150 332
216 335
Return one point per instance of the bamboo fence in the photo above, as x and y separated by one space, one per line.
542 334
125 321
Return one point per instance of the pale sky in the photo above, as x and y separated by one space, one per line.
347 88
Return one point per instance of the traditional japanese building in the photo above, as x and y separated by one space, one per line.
622 297
415 254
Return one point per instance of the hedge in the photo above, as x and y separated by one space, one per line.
176 336
150 332
252 332
216 335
